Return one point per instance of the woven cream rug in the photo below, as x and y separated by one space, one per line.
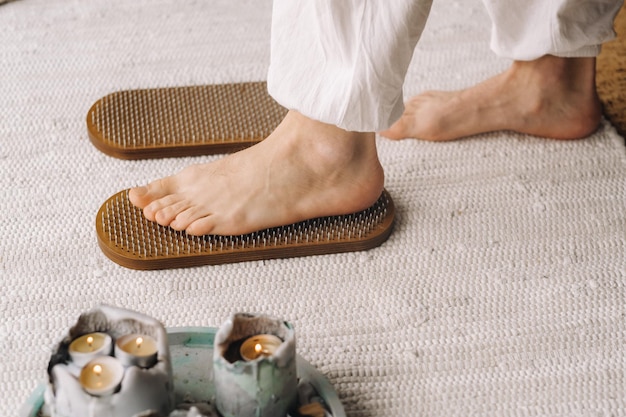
500 292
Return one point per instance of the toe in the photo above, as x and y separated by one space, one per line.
397 131
151 210
137 196
185 218
167 214
201 226
143 196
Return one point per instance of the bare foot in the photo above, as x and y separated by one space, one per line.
304 169
550 97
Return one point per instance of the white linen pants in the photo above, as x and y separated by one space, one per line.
343 62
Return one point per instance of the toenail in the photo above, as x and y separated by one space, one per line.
140 191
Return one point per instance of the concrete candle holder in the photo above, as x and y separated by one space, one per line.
140 389
266 386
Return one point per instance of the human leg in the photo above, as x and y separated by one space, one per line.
548 91
322 159
550 96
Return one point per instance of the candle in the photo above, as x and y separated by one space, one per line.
261 345
110 389
89 346
101 376
136 350
254 367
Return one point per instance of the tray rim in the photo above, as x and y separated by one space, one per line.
322 385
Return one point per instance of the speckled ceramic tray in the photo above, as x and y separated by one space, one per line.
189 347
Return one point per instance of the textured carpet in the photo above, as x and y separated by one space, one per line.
500 292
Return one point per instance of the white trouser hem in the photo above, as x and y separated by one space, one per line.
529 29
584 52
343 62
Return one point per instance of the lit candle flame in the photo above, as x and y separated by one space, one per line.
258 348
90 341
139 341
97 369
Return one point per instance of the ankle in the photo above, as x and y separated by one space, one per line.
552 78
352 154
552 72
326 143
334 158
